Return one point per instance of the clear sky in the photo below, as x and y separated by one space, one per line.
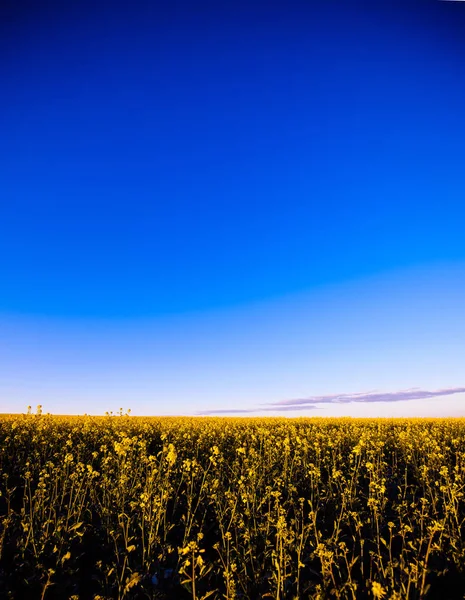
233 207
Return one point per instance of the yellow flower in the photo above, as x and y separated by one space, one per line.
171 457
377 590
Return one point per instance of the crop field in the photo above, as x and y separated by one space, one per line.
128 507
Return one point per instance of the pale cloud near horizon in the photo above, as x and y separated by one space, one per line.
409 394
233 411
311 402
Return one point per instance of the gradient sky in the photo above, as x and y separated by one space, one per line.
233 207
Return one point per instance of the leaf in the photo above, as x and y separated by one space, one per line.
132 581
208 594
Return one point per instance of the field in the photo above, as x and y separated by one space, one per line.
126 507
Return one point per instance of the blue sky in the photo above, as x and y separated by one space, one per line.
233 206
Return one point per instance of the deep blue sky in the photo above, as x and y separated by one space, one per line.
163 160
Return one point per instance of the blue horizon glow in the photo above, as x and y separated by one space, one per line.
371 334
217 208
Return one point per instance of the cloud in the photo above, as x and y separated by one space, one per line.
368 397
232 411
311 402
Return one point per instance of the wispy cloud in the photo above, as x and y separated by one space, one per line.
311 402
232 411
368 397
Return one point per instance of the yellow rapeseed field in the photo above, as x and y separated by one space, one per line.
224 508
